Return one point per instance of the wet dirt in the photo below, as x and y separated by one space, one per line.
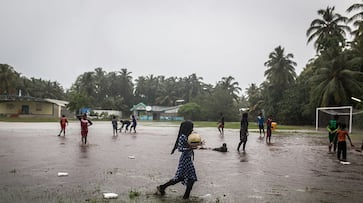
295 167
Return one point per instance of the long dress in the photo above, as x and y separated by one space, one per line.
186 170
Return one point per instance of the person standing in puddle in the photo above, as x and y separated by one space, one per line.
341 136
85 123
243 133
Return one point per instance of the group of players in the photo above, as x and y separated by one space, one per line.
85 123
125 123
337 138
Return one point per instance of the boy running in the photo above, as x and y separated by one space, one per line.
63 122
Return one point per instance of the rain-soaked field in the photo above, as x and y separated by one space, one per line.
296 167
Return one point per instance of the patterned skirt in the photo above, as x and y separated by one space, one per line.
186 171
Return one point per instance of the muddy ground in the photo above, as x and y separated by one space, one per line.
296 167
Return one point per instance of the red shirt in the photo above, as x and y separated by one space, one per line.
63 121
341 135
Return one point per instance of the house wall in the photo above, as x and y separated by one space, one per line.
34 108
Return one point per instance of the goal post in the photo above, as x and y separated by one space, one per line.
346 111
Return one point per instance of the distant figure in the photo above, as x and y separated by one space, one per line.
125 123
221 124
332 132
243 133
63 122
85 122
260 122
186 171
269 129
223 148
134 123
342 144
114 125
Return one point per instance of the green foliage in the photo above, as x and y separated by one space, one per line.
330 79
190 111
133 194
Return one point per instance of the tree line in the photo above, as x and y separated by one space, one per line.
331 78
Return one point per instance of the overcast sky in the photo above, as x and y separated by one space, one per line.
59 40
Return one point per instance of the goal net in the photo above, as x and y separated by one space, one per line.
343 114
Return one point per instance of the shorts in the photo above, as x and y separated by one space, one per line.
261 126
331 137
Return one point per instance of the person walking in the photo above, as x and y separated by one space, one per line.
243 133
63 122
186 171
260 122
269 129
114 125
134 123
342 144
221 124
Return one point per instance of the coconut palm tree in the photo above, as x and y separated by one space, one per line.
280 75
329 30
357 43
335 82
281 68
356 18
8 79
228 83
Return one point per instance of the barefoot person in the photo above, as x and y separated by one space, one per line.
221 124
260 121
342 144
125 123
133 123
114 125
185 172
63 122
332 132
269 129
243 133
85 122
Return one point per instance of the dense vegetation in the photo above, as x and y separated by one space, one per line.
329 79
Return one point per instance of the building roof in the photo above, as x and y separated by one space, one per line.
166 109
9 98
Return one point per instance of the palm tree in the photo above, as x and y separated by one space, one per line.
329 31
335 82
357 43
281 68
232 87
280 75
356 19
8 79
127 87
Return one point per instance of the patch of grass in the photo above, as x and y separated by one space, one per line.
133 194
33 119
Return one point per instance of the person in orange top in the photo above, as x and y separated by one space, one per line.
342 144
63 123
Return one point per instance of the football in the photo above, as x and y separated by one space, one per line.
194 139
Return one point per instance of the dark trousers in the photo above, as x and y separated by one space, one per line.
173 182
342 149
244 145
